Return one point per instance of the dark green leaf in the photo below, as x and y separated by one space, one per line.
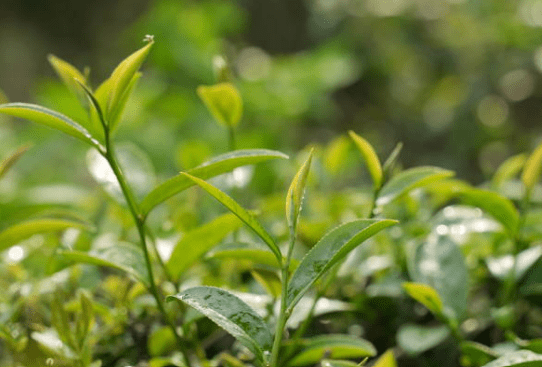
408 180
333 247
219 165
332 346
231 314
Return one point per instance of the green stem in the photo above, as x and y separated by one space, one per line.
284 313
140 224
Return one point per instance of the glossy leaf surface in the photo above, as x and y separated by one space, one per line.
50 118
231 314
416 339
408 180
520 358
333 247
219 165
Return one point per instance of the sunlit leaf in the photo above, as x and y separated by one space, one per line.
337 363
294 197
520 358
332 346
370 157
250 252
498 206
21 231
241 213
386 360
122 256
231 314
7 163
333 247
197 242
69 75
508 169
115 115
391 161
408 180
223 101
122 77
47 117
531 170
416 339
219 165
426 295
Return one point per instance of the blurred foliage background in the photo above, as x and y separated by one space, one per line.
457 81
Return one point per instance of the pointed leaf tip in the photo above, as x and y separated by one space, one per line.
294 197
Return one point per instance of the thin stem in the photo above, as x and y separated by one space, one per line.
139 222
283 313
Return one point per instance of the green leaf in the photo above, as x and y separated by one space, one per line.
69 75
386 360
232 314
219 165
53 119
476 354
241 213
294 197
122 256
337 363
531 170
370 157
87 312
7 163
508 169
426 295
122 77
115 115
498 206
244 251
416 339
161 341
224 102
21 231
333 247
520 358
94 102
408 180
332 346
390 162
440 264
198 241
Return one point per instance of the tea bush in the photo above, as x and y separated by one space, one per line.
415 268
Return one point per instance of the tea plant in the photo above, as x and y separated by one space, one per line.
450 246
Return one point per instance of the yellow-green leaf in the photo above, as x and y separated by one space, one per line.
294 197
386 360
426 295
531 171
122 76
223 101
69 75
508 169
370 157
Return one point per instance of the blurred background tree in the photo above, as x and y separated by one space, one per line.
458 81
